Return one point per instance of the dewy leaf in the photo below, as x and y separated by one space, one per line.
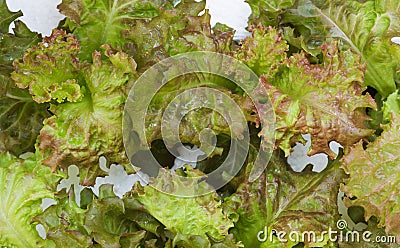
364 26
184 216
49 69
23 185
378 165
284 200
104 21
324 100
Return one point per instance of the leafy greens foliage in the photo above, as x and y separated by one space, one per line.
284 201
20 117
366 27
328 67
23 185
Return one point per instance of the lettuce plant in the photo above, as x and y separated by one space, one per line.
329 69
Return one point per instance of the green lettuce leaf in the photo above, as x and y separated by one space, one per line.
364 26
115 222
284 200
49 69
178 31
23 185
324 100
391 105
7 17
63 223
378 165
79 133
149 30
268 12
86 127
105 21
108 220
20 120
20 117
264 51
188 219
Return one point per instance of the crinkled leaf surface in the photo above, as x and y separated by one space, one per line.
23 185
284 200
13 46
264 51
378 165
105 21
50 70
176 31
79 133
81 130
185 216
364 26
324 100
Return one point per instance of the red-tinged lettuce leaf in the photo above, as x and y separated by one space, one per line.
81 130
103 22
23 185
50 69
364 26
149 30
264 51
79 133
175 31
192 219
284 200
20 117
378 165
324 100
